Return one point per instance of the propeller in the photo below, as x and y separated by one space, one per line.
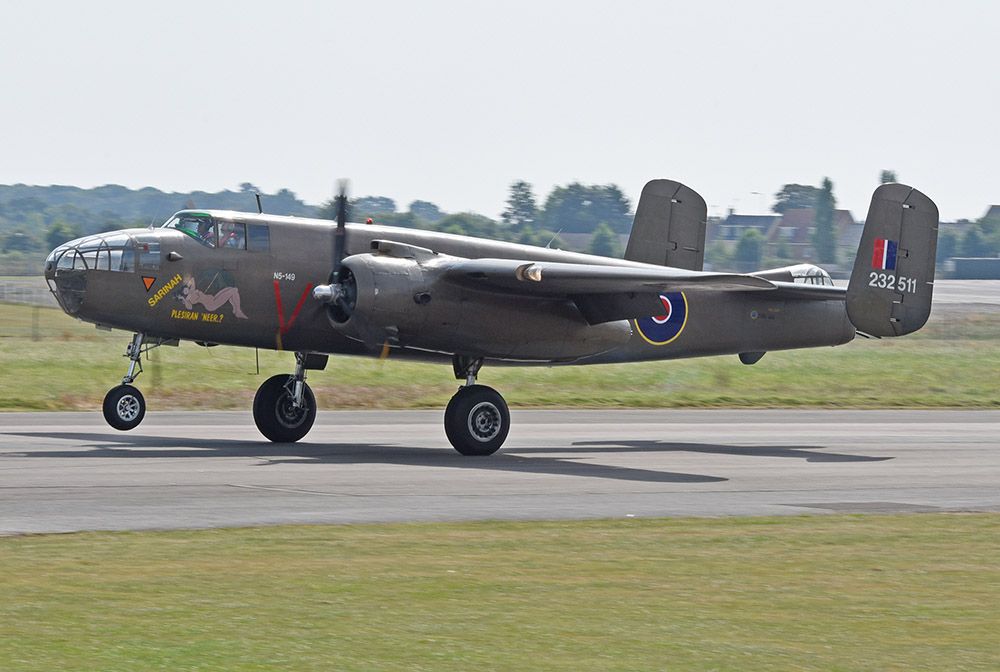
340 234
341 292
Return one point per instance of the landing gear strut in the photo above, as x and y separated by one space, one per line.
284 407
476 420
124 406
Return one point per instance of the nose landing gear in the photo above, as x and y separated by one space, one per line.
124 406
476 419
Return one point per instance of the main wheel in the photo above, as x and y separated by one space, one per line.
276 416
124 407
477 420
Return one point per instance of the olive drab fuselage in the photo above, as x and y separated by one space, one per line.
256 290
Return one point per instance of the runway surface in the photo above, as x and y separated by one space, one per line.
68 471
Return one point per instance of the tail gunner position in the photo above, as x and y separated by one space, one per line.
315 288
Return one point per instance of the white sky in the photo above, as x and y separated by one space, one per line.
452 101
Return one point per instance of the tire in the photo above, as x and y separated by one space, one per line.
477 420
274 414
124 407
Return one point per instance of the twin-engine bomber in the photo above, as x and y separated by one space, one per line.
317 288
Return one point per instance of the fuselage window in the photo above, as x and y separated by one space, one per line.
232 235
258 238
149 254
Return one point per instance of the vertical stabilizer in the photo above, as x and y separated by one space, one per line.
893 279
669 226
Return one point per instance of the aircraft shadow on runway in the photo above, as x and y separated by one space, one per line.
144 446
808 453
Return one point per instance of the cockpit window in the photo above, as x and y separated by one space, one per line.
198 225
232 235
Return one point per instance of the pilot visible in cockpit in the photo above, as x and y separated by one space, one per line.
206 231
232 235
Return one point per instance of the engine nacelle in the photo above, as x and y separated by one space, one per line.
408 302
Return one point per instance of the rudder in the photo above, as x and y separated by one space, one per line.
669 226
893 278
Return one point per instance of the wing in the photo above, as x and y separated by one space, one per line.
544 278
602 293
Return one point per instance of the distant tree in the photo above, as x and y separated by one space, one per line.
58 233
974 243
947 246
248 188
825 235
782 251
521 210
371 206
717 256
794 196
358 209
549 239
327 209
469 223
578 208
750 248
22 241
530 236
605 242
404 219
426 211
453 228
888 176
989 227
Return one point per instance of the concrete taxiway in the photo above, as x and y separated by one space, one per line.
68 471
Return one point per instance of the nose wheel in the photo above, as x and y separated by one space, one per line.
124 407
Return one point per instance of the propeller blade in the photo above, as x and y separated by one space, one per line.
340 233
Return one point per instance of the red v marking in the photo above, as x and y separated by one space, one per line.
283 326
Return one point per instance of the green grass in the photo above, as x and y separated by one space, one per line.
908 592
73 365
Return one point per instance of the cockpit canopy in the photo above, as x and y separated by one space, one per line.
220 231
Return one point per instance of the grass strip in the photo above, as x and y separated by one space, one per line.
901 592
72 365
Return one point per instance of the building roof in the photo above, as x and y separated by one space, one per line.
799 222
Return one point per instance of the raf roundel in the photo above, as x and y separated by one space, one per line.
663 329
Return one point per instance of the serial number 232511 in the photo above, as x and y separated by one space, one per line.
886 281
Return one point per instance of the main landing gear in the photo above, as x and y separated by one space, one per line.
476 419
284 407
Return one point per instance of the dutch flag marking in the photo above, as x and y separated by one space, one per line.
884 254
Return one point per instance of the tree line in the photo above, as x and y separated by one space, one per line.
602 211
35 219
